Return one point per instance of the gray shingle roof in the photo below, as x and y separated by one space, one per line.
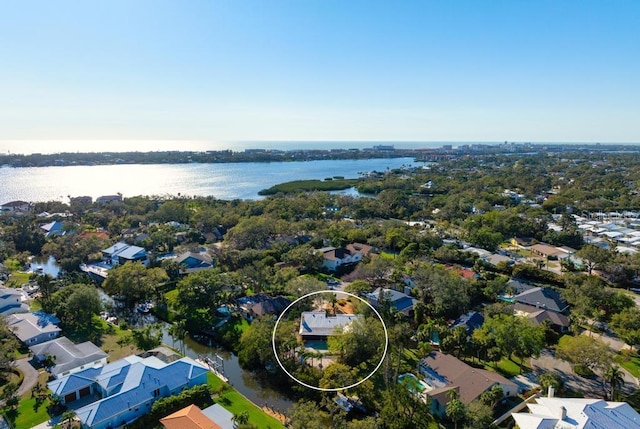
544 298
68 355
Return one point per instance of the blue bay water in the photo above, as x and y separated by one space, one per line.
222 181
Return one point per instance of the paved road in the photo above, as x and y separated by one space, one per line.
591 387
30 376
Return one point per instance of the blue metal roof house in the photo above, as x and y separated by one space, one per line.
122 391
121 252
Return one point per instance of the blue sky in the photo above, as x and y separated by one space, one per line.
449 70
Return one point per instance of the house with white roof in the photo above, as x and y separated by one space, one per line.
69 357
34 328
11 302
334 257
16 207
317 325
577 413
120 392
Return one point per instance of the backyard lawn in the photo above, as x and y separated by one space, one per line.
17 279
26 416
233 401
630 362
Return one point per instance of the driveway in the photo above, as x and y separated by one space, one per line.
614 343
590 387
30 375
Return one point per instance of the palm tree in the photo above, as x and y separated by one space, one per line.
456 409
241 419
615 377
67 418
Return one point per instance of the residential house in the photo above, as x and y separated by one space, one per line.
522 242
108 198
539 316
468 273
317 325
17 207
495 258
69 357
399 301
122 391
543 298
190 262
444 373
471 321
191 417
11 302
121 252
577 413
337 257
34 328
53 228
81 200
546 251
260 304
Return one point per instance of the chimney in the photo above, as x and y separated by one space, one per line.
562 415
551 392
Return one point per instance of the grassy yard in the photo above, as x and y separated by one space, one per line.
171 297
17 279
115 350
630 362
506 367
26 415
233 401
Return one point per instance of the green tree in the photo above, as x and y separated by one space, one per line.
254 349
584 351
241 418
134 281
148 337
200 294
627 325
615 378
307 415
8 346
80 307
479 414
593 257
304 285
456 409
548 379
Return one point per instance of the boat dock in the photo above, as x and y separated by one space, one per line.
215 365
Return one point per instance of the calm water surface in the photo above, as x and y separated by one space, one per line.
222 181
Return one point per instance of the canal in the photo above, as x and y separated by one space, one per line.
251 385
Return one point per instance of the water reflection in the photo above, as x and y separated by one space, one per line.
44 265
248 383
245 382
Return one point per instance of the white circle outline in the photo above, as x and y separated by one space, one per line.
335 389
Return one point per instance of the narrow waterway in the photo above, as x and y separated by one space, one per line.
245 382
